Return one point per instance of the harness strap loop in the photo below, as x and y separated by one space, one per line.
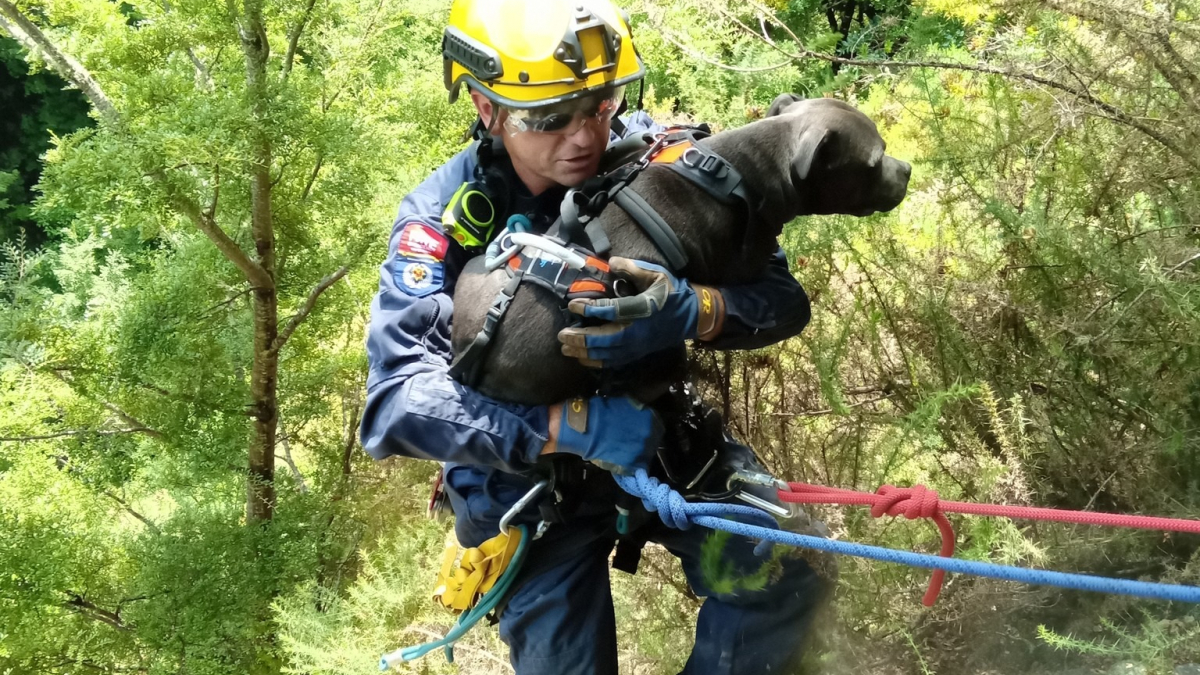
599 239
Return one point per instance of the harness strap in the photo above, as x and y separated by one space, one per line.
659 231
599 239
466 367
713 174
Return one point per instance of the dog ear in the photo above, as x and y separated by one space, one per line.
811 142
781 102
876 157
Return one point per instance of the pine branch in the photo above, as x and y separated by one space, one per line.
311 302
33 39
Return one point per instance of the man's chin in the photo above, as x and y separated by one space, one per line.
574 175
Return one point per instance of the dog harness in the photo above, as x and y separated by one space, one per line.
678 149
567 270
568 261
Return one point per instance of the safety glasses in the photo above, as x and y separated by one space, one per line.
567 117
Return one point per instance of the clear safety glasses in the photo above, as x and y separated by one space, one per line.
567 117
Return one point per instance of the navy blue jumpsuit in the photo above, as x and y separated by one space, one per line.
560 620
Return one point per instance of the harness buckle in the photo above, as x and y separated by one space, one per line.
695 158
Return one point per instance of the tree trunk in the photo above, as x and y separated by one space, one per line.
32 38
264 378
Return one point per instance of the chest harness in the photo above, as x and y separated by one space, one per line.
569 260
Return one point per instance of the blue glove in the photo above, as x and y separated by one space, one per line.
665 311
617 433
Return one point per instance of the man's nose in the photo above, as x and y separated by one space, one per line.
587 131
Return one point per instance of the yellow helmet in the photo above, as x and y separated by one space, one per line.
528 53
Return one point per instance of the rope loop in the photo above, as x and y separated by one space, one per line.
659 497
676 512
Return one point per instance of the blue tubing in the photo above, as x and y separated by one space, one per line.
675 512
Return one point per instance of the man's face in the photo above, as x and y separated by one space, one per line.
566 155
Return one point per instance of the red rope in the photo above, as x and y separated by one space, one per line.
921 502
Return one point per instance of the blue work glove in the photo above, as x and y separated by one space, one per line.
665 311
616 433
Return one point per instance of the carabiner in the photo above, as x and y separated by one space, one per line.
522 503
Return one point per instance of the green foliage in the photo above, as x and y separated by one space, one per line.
1021 330
1157 643
36 108
723 577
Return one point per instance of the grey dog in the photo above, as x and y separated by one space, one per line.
807 157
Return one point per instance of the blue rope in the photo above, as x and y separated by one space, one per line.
675 511
468 619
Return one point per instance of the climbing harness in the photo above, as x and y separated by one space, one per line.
678 513
678 149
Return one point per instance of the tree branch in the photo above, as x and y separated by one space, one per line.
254 272
132 421
308 307
79 604
129 509
287 458
33 39
203 78
830 411
312 178
294 39
713 62
1112 112
79 432
211 212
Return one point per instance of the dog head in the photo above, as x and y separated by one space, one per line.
837 160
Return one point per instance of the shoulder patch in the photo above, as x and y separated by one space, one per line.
419 277
418 240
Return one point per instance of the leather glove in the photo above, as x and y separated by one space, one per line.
665 311
616 433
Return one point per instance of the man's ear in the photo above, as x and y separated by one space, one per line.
485 108
811 142
782 101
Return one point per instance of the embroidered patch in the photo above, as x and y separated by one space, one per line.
418 277
418 240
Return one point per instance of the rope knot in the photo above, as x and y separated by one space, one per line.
914 502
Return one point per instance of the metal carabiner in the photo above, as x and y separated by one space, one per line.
522 503
765 480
